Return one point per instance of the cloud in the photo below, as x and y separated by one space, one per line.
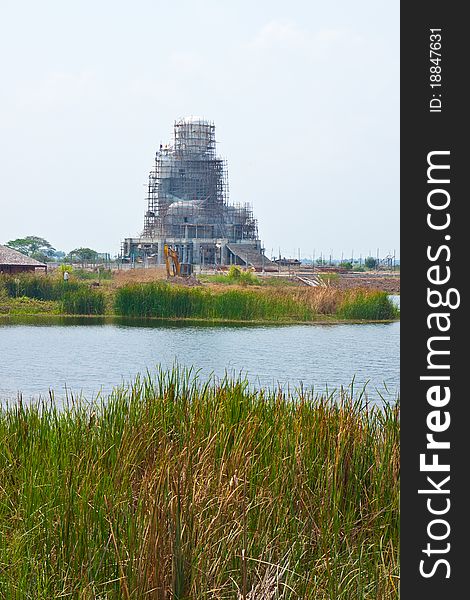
287 35
279 33
185 62
59 89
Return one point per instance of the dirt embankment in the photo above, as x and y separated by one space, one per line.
121 277
385 283
125 276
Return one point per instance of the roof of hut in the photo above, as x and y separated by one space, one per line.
8 256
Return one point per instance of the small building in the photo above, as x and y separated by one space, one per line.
13 262
288 262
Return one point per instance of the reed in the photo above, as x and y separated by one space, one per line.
175 487
71 297
169 301
359 304
268 304
39 287
83 301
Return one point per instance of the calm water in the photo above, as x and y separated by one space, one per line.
87 356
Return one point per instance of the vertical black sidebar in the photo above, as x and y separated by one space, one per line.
435 265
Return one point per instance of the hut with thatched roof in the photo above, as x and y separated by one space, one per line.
13 262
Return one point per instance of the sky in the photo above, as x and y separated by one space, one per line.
304 95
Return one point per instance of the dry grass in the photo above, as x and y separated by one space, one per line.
147 293
321 300
125 276
186 489
233 303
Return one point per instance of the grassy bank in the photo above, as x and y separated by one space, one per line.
175 488
166 301
28 294
160 299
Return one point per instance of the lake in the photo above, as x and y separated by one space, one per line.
86 356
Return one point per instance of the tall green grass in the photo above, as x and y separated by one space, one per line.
84 301
72 297
39 287
371 306
169 301
179 488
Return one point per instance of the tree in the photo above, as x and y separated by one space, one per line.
83 255
370 262
33 246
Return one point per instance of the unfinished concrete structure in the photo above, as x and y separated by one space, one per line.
188 206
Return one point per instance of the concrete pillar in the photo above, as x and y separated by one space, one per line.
160 257
196 257
223 254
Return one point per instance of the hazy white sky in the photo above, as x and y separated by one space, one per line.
304 95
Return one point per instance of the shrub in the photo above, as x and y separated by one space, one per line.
370 262
236 275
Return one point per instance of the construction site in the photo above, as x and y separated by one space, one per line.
188 214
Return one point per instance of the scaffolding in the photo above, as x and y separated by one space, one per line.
187 198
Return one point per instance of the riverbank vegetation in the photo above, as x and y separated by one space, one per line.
50 294
366 305
165 300
179 488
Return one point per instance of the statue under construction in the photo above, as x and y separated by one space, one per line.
188 206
